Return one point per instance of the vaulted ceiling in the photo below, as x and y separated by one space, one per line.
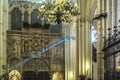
87 9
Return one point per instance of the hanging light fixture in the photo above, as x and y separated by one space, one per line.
59 12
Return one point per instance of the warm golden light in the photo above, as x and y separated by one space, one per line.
71 75
87 67
57 76
59 1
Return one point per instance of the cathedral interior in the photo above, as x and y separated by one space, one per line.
59 40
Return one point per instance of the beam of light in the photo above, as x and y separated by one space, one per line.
42 51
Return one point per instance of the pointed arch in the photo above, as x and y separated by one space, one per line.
35 16
16 19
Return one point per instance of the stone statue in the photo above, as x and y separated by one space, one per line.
14 75
57 76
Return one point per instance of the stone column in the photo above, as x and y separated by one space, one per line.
100 53
88 50
70 51
101 32
84 49
73 54
3 31
67 53
79 47
111 14
5 28
1 37
98 42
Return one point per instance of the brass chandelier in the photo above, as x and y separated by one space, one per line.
58 12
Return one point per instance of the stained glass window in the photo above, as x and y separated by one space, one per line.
16 19
35 17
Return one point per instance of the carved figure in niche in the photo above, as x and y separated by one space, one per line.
14 75
57 54
15 48
57 76
26 47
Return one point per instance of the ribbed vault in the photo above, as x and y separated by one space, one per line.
87 9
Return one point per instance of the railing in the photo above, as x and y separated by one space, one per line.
112 49
112 39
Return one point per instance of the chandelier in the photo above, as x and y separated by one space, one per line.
59 12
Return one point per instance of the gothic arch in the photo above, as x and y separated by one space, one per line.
16 19
13 57
36 64
45 62
35 16
13 61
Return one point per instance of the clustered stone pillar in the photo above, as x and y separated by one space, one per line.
70 51
101 32
84 50
1 40
99 52
3 30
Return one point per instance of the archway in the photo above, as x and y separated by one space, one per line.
36 69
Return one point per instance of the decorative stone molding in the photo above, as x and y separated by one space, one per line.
22 45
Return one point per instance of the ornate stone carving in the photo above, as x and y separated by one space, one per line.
14 75
13 47
28 44
37 44
22 44
25 46
38 64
